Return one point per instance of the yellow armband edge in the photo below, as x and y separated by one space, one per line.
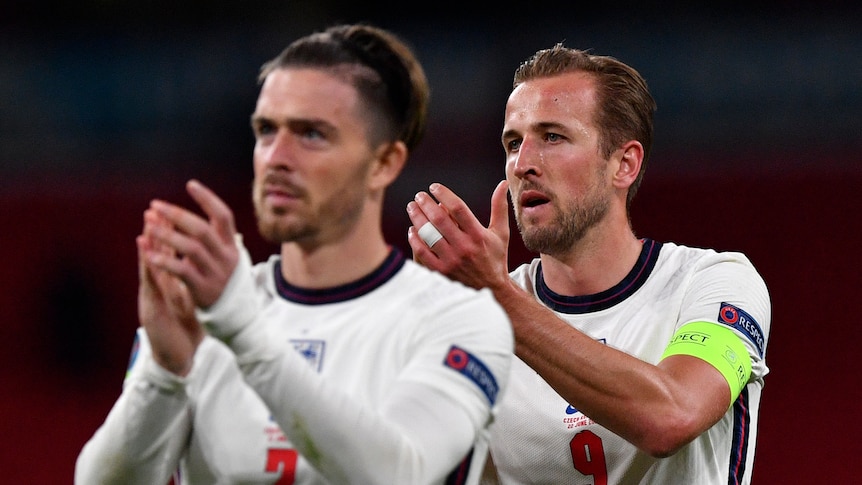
718 345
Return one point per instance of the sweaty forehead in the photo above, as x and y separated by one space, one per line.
565 96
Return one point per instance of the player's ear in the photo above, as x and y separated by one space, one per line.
629 160
389 161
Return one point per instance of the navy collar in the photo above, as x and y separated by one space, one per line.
605 299
383 273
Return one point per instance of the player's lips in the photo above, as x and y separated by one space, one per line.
277 190
279 196
532 205
532 198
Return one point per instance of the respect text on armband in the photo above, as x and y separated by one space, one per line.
474 369
737 318
696 337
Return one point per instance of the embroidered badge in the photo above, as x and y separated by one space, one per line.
474 369
312 350
737 318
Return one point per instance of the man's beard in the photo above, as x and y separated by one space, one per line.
271 223
338 215
274 229
569 225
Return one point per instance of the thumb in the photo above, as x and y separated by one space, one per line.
499 222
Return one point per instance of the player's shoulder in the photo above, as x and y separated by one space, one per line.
526 269
433 288
266 267
704 267
702 256
453 306
263 273
424 279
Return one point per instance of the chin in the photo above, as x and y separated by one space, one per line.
268 232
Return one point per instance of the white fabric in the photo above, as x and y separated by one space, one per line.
535 430
371 402
429 234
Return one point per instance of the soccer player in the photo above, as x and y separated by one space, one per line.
338 360
639 361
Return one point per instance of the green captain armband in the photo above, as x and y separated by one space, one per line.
718 345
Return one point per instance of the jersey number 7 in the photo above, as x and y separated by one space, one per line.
285 460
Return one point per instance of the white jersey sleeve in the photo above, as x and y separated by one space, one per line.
728 281
447 348
209 427
142 438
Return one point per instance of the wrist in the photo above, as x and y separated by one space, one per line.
506 290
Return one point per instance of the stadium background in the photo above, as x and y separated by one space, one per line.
107 104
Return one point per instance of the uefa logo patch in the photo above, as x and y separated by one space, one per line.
474 369
737 318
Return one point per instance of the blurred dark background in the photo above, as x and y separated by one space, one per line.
108 104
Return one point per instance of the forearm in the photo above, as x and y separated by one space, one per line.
632 398
142 438
417 436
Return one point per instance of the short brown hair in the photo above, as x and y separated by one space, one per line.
625 107
381 66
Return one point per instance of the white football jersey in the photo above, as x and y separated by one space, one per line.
539 438
402 323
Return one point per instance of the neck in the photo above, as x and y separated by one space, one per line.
594 264
330 264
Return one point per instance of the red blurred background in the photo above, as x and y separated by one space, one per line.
69 290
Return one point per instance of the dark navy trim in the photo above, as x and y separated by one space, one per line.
739 442
394 261
608 298
458 476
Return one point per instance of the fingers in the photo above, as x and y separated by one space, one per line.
145 278
431 223
469 252
186 228
220 215
429 234
155 279
165 306
461 231
164 242
214 233
455 207
202 240
148 246
201 252
451 216
422 252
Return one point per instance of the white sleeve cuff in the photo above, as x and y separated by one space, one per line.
163 378
238 304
